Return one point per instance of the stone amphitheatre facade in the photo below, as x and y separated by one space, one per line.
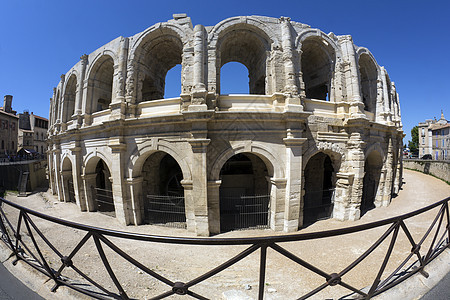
319 135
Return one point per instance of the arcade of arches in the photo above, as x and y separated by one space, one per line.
319 134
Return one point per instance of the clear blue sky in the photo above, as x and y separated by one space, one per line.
40 40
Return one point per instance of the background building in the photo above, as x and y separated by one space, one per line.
33 133
319 135
434 138
8 129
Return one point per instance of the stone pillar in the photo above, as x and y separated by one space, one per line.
290 89
342 194
387 113
137 206
277 203
118 104
57 169
352 78
189 204
199 185
122 203
80 91
214 206
78 186
89 185
388 182
294 155
130 89
50 164
355 162
198 95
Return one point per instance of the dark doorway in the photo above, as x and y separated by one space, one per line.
244 193
164 195
319 189
372 174
103 190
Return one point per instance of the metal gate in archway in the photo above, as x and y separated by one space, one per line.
318 205
165 210
244 212
104 201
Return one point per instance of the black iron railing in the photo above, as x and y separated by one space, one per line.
29 244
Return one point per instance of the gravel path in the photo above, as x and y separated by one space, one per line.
284 280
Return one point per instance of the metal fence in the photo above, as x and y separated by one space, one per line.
27 241
105 201
318 205
246 211
165 210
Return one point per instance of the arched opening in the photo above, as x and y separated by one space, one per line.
69 98
369 75
371 181
317 63
248 48
162 191
102 83
161 55
102 191
234 78
68 187
173 82
320 182
244 193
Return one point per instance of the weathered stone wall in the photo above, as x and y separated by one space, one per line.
440 169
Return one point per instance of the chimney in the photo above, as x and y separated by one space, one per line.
7 102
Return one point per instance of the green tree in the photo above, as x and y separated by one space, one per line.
414 143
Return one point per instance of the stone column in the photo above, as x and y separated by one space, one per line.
198 95
342 194
387 113
57 169
214 206
356 161
118 104
136 197
50 168
352 78
277 203
189 204
78 186
294 155
80 91
290 89
122 203
199 185
89 185
388 182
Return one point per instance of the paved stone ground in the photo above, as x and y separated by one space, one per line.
284 280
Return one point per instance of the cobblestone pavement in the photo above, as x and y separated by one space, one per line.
285 280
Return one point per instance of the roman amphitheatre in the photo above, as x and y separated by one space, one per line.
319 135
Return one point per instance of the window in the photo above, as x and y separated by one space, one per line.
3 144
12 144
423 131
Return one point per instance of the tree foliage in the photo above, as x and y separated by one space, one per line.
414 143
